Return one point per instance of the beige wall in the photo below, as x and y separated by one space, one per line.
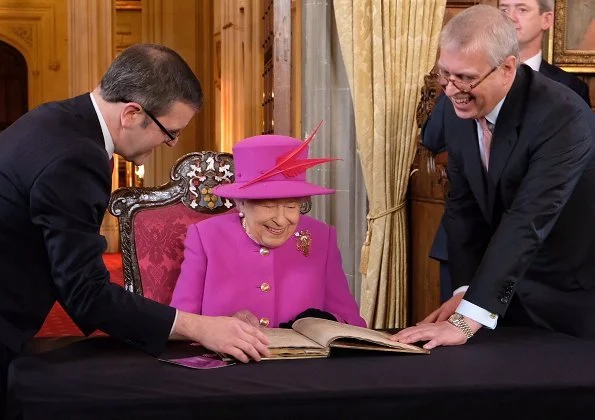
238 68
185 26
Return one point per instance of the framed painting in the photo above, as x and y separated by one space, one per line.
574 35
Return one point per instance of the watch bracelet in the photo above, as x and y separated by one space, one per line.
462 325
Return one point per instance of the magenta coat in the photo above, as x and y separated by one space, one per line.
224 272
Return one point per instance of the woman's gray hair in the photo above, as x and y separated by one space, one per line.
485 29
305 203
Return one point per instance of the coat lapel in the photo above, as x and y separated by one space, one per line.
507 128
549 71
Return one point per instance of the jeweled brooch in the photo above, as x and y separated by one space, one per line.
303 241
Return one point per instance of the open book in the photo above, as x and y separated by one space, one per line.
314 337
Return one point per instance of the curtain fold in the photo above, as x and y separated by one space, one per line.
388 47
326 96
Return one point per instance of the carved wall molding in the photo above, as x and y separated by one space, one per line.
30 27
25 32
54 65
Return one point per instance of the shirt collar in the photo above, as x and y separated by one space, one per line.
535 61
492 116
107 137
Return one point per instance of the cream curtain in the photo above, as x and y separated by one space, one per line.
388 46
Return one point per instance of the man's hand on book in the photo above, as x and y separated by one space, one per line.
223 335
436 334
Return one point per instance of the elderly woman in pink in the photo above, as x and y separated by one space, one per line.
268 264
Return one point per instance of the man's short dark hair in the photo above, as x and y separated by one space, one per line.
545 6
153 75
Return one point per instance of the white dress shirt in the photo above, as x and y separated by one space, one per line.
535 61
107 137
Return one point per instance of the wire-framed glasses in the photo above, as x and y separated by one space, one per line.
461 85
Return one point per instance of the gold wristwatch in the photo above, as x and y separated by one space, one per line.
458 321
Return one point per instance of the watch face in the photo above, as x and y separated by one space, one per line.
456 317
458 321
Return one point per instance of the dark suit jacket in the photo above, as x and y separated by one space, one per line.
526 226
433 135
54 189
567 79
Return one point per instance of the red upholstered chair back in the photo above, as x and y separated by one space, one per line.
153 220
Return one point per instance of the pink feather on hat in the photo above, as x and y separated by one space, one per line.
289 165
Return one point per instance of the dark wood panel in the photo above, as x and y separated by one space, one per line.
428 187
425 290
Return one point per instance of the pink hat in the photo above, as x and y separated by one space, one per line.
272 166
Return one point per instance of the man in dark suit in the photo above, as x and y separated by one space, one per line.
531 19
519 213
55 182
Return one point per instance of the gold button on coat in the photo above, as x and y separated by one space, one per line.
265 287
264 322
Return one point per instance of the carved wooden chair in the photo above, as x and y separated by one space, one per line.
153 220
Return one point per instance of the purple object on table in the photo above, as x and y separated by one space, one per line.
206 361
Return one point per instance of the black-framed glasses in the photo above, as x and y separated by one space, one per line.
463 87
168 133
165 130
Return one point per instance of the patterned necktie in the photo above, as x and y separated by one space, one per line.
486 128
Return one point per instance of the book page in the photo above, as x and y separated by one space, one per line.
280 338
325 332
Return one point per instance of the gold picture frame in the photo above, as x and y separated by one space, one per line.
574 36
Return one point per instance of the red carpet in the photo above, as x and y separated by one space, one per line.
58 323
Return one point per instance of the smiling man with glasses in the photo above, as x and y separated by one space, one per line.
531 19
520 201
460 82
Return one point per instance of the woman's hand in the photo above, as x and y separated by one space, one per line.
248 317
